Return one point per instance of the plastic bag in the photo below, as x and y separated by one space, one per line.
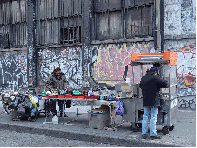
119 110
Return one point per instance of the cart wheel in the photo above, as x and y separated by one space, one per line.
165 130
171 128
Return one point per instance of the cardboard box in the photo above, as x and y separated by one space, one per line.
126 87
99 121
129 94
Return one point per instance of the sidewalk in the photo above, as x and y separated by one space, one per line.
184 133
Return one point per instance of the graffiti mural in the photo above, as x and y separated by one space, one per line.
110 60
189 102
186 70
68 59
13 70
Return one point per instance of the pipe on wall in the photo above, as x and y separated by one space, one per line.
162 24
155 27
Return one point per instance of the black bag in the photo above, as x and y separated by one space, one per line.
68 103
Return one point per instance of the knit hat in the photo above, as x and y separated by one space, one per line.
153 69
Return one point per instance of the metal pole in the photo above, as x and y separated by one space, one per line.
133 74
154 26
162 24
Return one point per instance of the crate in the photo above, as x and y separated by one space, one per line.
126 87
99 120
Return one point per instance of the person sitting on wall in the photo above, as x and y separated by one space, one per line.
57 80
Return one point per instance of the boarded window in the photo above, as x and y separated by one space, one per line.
138 22
109 25
4 41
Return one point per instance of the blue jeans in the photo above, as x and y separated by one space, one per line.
153 120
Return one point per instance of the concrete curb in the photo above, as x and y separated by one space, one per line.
84 136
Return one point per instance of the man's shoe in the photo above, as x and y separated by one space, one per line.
144 136
62 114
65 115
155 137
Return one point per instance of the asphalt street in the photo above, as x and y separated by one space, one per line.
15 139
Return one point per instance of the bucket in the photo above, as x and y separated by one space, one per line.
127 80
55 120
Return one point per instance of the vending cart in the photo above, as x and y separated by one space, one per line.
167 113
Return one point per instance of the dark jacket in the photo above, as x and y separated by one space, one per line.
54 83
150 85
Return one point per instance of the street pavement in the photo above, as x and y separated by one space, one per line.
184 133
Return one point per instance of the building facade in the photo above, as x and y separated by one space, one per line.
92 40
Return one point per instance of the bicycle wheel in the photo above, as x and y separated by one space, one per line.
192 105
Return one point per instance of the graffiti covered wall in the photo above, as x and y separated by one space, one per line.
186 65
109 61
13 70
179 18
68 59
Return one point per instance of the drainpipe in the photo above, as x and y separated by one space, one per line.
155 27
31 44
162 24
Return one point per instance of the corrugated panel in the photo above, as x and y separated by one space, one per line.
1 14
4 41
20 35
22 6
99 5
136 22
45 9
56 8
37 32
147 2
128 25
133 23
52 8
62 7
76 5
115 25
41 9
129 3
56 30
105 5
66 7
79 6
146 20
139 2
49 9
15 35
103 26
17 12
114 4
3 10
7 12
70 8
25 34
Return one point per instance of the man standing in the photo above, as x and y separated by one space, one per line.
58 81
150 85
